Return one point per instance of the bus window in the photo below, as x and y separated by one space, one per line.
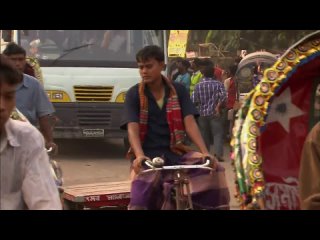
89 46
5 38
6 35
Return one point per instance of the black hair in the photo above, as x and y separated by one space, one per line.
178 59
13 49
207 68
197 61
207 62
237 60
233 69
185 63
8 72
149 52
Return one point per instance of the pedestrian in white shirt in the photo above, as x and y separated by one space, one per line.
25 178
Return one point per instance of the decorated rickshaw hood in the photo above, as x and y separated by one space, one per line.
271 127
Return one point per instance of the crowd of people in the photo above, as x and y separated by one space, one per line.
213 92
160 113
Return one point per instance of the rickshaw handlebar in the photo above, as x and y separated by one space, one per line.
157 167
49 150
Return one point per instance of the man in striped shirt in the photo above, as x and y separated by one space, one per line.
210 96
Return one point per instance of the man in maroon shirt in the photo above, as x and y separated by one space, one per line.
217 73
232 90
232 103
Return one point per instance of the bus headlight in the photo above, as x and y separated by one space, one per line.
58 96
121 97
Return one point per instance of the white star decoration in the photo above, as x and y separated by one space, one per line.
282 110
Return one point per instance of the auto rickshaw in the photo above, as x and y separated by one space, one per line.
271 127
250 71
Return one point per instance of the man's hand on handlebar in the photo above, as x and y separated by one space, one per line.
53 147
213 160
137 163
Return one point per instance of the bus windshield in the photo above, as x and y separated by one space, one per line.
87 48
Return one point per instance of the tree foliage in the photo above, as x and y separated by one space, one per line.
251 40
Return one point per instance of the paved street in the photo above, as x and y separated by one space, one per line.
90 161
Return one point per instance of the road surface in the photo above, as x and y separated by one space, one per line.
91 161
